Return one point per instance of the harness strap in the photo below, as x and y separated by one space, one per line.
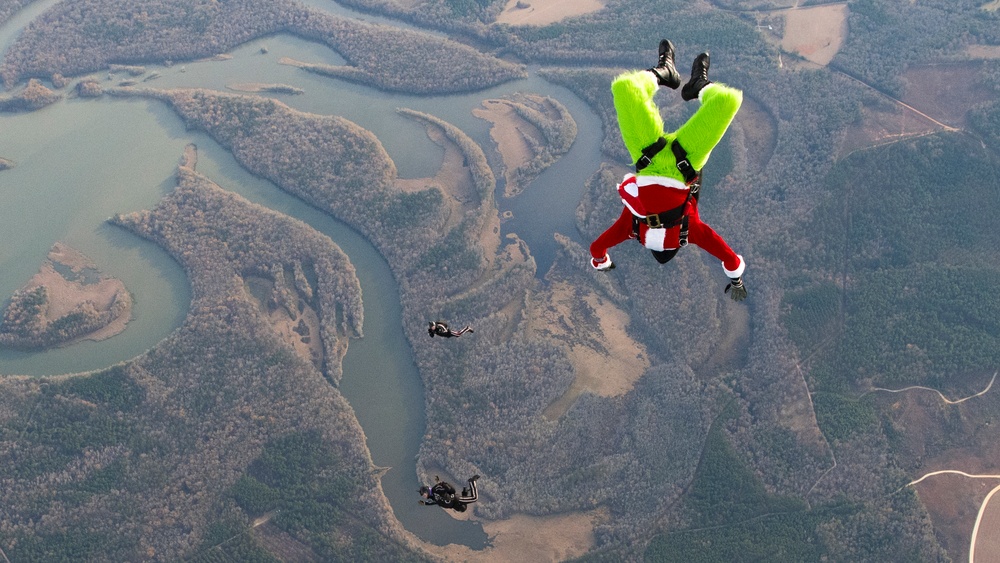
649 152
676 216
691 175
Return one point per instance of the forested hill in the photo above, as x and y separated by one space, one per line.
174 453
680 425
87 35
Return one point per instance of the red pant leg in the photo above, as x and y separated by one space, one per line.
701 234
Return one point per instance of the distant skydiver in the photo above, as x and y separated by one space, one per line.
439 328
661 198
443 494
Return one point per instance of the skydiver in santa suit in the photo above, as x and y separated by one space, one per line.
661 197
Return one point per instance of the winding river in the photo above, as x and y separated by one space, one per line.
82 160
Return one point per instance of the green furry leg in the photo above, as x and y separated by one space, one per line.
641 125
704 130
638 117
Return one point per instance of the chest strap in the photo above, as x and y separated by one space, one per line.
649 152
676 216
682 237
692 177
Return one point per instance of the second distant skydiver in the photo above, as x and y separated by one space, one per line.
439 328
443 494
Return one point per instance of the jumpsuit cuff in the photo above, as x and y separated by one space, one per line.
739 269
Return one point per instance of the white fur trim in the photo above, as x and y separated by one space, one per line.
701 93
655 239
632 209
604 264
738 271
643 181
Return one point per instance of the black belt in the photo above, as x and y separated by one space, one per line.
665 220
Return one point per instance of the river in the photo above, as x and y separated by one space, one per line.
80 161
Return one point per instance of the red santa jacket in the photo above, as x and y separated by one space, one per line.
650 195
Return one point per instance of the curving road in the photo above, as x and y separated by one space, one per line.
979 518
943 398
986 501
982 507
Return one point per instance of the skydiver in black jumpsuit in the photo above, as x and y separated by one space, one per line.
439 328
443 495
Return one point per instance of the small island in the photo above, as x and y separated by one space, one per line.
6 164
34 96
68 299
131 70
257 87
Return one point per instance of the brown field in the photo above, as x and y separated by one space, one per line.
932 440
544 12
731 351
815 33
554 318
953 502
885 125
984 51
537 539
988 537
938 97
760 134
945 92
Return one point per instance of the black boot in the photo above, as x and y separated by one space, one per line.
699 78
665 71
